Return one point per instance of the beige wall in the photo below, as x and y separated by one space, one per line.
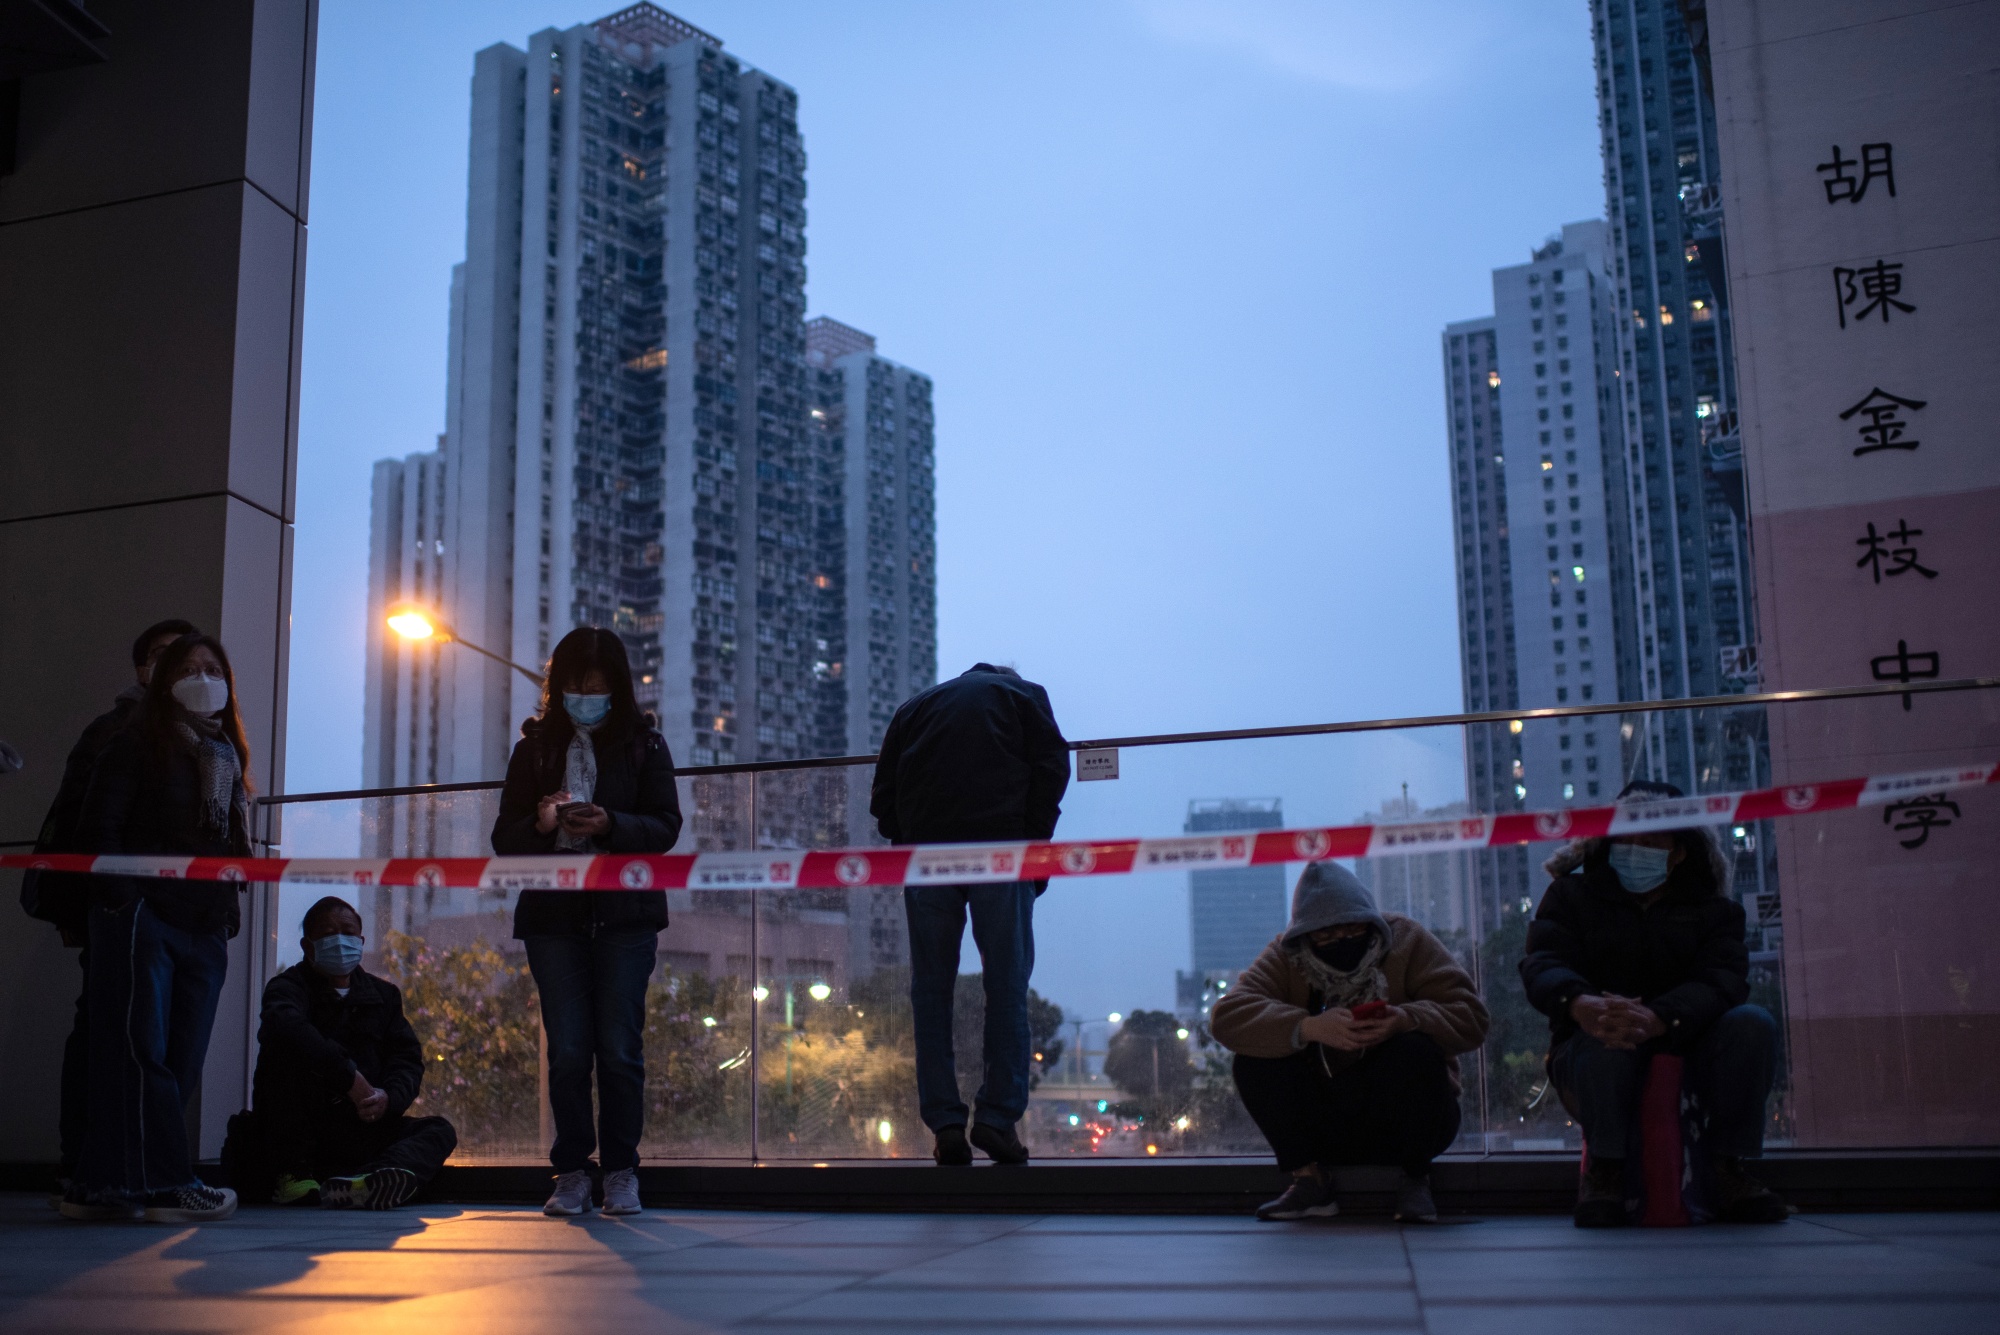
152 257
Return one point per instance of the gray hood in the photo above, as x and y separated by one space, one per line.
1328 895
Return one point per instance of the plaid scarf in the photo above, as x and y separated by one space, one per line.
1364 982
221 772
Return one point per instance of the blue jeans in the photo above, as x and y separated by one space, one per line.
594 1012
153 989
1730 1069
1003 927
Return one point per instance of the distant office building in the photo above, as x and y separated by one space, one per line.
627 435
875 537
1685 505
1439 890
1233 914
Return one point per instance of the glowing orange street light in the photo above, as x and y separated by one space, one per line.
416 624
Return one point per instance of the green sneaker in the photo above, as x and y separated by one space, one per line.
294 1190
383 1189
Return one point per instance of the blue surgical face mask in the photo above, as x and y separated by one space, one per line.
1640 868
586 711
337 954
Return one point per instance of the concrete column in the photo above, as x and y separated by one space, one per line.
152 265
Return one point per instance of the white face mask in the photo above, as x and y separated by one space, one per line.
203 696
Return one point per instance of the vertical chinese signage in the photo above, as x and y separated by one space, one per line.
1860 144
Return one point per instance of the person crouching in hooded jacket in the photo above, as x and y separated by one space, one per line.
338 1067
1347 1031
1638 949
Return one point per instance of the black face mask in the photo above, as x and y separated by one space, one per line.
1345 953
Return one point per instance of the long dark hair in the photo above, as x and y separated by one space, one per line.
585 650
159 711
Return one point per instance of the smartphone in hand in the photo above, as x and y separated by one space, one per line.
568 809
1370 1010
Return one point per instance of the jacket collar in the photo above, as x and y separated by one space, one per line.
362 987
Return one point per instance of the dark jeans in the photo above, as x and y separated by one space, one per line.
73 1121
1003 927
1729 1069
153 989
1395 1106
335 1145
594 1011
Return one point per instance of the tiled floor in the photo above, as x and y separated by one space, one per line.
442 1270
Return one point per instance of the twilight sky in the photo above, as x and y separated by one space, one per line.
1178 269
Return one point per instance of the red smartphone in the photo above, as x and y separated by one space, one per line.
1370 1010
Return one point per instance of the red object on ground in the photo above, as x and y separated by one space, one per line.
1661 1153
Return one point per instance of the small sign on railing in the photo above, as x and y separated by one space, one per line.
1100 764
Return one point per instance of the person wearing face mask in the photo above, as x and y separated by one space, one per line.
63 898
337 1070
591 775
174 781
1347 1031
1637 948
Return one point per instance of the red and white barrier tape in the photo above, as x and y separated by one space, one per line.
959 864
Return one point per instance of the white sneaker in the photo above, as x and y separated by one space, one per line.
572 1194
621 1192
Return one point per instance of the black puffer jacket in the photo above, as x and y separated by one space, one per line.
977 757
311 1041
635 785
63 897
1683 955
146 798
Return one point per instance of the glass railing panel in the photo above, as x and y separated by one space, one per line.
1870 935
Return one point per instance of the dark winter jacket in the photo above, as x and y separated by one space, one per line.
311 1041
63 897
1683 955
146 798
635 785
978 757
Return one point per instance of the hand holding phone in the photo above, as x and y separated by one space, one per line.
1370 1010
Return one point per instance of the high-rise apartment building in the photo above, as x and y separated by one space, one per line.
1493 769
875 640
405 702
1573 640
627 433
1684 498
1545 608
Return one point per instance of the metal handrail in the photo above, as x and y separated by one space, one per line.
1245 734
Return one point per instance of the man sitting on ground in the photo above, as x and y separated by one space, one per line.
1347 1031
337 1068
1637 949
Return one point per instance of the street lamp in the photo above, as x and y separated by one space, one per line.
415 623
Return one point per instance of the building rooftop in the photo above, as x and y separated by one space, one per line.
828 340
649 25
468 1268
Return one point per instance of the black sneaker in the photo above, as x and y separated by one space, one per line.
77 1203
1742 1199
1001 1145
1600 1199
195 1203
383 1189
1414 1204
952 1151
1309 1197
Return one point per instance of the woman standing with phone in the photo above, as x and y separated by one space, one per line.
591 774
